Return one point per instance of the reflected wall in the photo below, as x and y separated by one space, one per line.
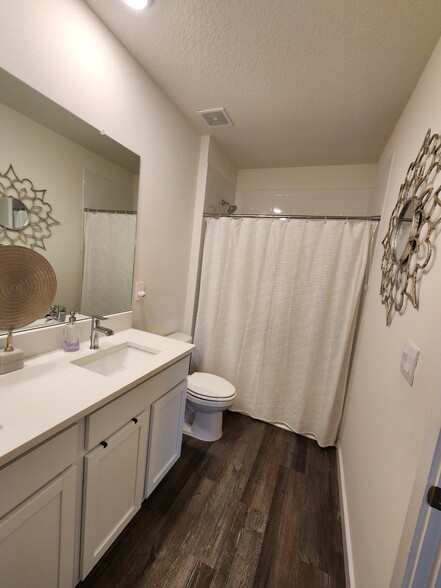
58 165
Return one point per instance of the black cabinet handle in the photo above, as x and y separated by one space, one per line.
434 497
104 443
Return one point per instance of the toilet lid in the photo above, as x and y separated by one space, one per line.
209 386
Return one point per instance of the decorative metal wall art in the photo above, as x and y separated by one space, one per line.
408 242
25 218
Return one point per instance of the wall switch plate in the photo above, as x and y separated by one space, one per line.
409 360
139 290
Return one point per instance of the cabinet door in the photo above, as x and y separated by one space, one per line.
37 538
113 488
166 423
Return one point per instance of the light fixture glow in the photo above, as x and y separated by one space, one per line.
137 4
277 210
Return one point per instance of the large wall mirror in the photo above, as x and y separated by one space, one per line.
91 185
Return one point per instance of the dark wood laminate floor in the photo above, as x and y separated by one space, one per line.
258 508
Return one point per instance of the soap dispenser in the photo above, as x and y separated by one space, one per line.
71 334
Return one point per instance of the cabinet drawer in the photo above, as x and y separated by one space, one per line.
31 472
107 420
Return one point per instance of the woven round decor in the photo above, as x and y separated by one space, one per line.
27 286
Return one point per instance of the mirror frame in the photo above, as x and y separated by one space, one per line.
422 189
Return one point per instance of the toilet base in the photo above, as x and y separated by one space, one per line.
206 426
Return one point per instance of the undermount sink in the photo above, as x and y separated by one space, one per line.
108 362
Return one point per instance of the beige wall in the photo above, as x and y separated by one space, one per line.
390 428
63 50
104 194
221 179
219 160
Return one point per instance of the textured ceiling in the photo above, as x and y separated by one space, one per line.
306 82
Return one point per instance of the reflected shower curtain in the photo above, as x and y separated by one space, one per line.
276 317
109 247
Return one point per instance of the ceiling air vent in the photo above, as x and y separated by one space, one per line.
216 117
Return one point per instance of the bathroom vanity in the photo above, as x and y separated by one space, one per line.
84 438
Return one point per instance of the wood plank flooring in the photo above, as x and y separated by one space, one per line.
258 508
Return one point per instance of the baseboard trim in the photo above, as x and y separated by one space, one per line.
347 543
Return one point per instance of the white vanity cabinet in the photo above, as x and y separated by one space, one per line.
113 488
117 444
65 498
38 499
166 424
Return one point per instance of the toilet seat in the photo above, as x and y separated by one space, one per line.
210 387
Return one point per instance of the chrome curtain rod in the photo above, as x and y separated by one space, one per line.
289 216
111 211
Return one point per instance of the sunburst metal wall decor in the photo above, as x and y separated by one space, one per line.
37 227
408 242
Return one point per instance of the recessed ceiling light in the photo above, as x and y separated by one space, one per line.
138 4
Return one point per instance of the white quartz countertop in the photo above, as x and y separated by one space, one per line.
50 392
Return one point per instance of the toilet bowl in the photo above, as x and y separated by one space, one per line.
207 398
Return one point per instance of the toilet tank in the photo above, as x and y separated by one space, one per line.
181 337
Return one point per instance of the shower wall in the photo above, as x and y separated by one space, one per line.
334 190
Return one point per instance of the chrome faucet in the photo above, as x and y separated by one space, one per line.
97 328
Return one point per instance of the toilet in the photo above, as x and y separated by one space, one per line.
207 397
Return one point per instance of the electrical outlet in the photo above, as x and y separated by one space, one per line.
139 290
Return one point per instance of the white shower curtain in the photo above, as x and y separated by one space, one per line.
277 310
109 247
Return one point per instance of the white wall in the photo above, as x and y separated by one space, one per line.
330 176
334 190
390 428
63 50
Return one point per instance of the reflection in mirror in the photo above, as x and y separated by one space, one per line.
13 214
59 151
109 245
401 242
